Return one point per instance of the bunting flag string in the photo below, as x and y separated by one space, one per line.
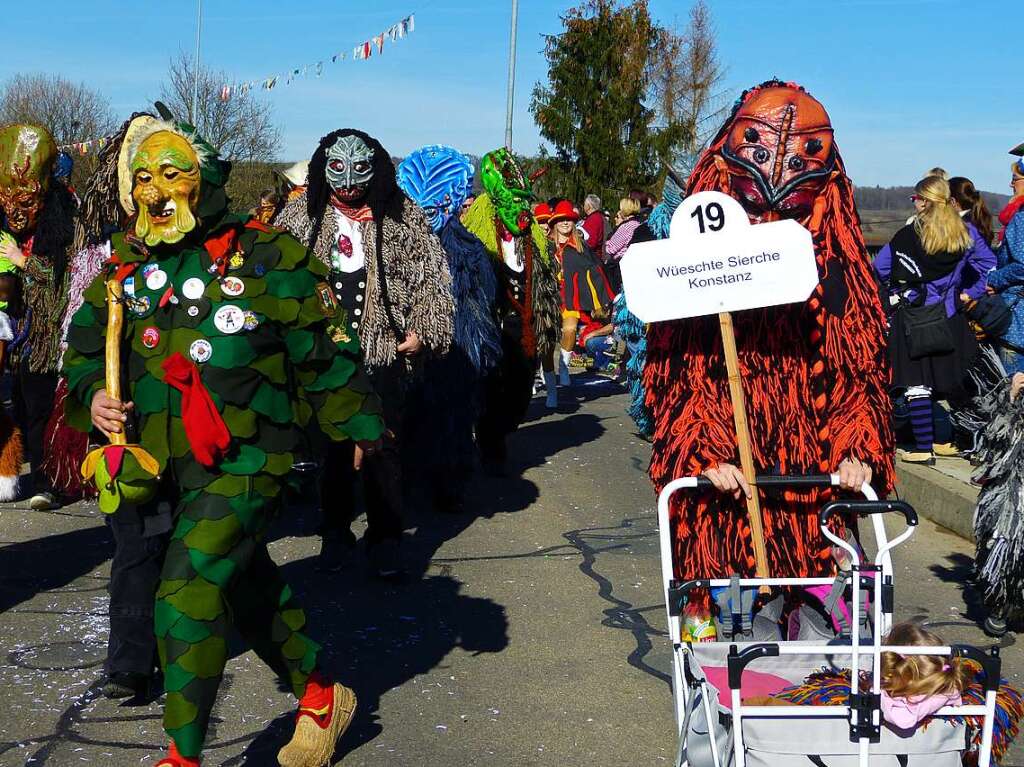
397 31
84 147
364 50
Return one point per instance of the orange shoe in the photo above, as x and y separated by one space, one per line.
174 759
325 712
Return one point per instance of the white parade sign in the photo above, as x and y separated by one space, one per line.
715 260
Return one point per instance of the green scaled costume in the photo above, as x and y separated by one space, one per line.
236 306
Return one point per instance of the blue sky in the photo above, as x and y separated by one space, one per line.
909 83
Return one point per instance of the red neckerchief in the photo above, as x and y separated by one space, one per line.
220 247
259 226
207 434
1011 209
362 213
123 270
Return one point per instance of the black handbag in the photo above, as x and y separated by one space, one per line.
927 330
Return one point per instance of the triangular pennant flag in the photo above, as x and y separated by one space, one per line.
367 50
411 22
319 68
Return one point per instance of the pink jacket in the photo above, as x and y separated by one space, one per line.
907 713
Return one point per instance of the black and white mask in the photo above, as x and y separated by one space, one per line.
349 168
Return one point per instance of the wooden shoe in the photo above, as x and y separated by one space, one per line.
924 457
945 449
317 731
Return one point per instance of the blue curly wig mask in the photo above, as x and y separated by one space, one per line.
438 179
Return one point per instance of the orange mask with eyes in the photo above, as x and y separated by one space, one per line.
779 153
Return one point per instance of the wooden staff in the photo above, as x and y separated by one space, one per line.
739 414
115 322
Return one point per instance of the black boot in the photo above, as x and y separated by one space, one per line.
130 684
336 551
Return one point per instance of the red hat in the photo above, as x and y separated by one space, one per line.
563 211
541 213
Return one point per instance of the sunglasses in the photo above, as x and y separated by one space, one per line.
916 198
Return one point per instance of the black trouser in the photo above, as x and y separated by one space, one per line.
508 390
32 395
140 541
381 473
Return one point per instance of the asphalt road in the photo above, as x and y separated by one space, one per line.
530 634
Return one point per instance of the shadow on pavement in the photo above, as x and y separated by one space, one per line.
378 637
960 572
67 557
585 387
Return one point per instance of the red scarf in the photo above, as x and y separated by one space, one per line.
1010 211
362 213
205 429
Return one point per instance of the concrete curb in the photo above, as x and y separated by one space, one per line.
939 497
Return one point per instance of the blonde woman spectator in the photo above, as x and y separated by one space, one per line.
627 221
930 268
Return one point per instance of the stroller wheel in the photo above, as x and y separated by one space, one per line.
995 626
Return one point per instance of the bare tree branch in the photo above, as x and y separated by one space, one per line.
72 112
686 75
241 128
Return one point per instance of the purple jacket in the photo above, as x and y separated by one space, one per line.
968 277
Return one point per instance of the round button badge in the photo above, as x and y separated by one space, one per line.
201 350
251 321
156 280
139 306
150 337
229 319
193 311
232 287
193 288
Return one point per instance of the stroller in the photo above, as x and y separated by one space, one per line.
713 732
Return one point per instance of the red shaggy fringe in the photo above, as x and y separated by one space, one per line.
64 450
816 385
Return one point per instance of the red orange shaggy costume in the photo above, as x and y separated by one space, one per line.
815 374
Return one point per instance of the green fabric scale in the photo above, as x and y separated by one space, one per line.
268 383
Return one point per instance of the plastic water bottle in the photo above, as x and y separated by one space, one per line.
698 625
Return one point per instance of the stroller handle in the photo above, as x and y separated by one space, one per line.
776 480
865 507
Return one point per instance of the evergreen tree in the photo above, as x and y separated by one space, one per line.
593 109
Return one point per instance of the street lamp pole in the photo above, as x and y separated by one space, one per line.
195 66
511 74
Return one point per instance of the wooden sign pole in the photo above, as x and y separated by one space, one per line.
739 412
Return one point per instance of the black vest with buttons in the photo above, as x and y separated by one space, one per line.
350 291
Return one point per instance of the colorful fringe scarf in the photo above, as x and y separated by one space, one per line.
831 688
